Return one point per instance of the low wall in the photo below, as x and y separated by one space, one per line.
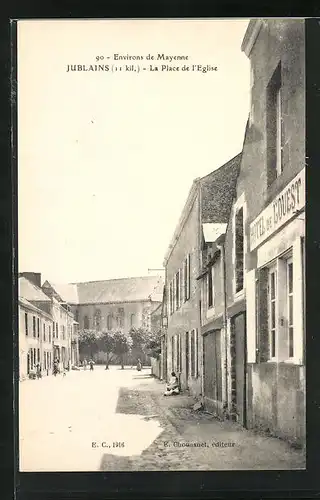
155 367
276 400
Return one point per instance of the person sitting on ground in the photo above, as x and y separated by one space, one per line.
173 386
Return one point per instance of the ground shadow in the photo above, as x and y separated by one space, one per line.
133 402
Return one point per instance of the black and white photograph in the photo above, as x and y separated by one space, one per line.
161 244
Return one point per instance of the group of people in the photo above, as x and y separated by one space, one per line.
58 367
85 363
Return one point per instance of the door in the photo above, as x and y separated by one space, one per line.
212 367
240 367
187 358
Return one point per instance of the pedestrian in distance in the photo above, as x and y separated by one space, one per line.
85 364
91 363
39 374
139 365
55 368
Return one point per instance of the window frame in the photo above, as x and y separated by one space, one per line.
275 126
26 329
290 295
273 271
210 288
239 204
177 289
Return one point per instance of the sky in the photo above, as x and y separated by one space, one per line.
106 159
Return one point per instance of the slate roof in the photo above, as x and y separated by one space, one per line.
218 191
68 292
31 292
120 290
24 302
109 291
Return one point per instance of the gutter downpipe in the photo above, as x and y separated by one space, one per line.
221 246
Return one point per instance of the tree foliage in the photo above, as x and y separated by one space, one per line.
149 341
153 344
89 340
122 343
107 341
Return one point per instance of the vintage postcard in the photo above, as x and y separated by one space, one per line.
161 227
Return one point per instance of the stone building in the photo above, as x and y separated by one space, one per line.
35 327
235 269
208 204
218 199
121 303
269 207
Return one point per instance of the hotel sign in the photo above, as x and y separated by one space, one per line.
279 211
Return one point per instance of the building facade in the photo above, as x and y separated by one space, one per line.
243 241
35 330
182 263
204 216
273 162
116 304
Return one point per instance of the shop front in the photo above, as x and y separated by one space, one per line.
275 316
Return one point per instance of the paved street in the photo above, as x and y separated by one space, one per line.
119 420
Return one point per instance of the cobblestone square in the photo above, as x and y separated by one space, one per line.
118 420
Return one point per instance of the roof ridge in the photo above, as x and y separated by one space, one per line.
111 279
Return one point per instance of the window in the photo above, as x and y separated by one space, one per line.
97 320
34 326
109 322
44 332
289 283
210 287
187 354
49 333
38 327
120 318
38 357
26 323
172 353
272 293
239 250
63 331
45 360
177 289
86 323
275 126
132 320
178 353
187 278
171 297
57 330
194 353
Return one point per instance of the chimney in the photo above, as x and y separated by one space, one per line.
35 278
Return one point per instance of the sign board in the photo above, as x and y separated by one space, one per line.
284 206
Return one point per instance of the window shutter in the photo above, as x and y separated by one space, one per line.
197 352
262 323
251 315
